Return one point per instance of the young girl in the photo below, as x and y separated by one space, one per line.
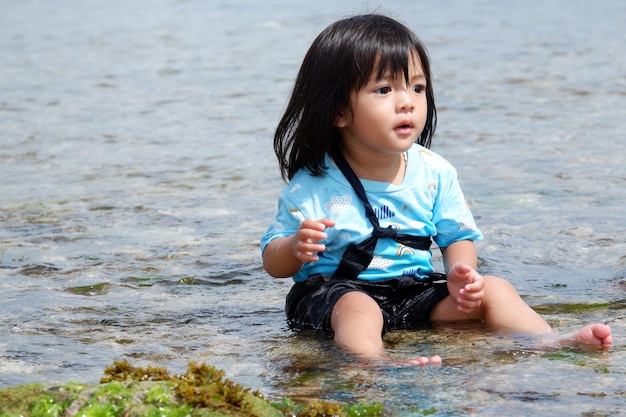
366 196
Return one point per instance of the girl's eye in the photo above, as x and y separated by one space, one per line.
418 88
383 90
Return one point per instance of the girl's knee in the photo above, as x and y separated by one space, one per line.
357 322
356 309
357 302
499 287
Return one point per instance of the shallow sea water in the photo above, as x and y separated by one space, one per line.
137 176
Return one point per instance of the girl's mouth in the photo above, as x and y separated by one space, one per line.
404 128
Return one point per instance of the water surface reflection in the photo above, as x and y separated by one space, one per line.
137 177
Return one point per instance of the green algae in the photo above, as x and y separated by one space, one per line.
318 408
94 289
201 387
17 399
202 391
570 308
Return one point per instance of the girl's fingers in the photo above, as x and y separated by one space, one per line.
468 306
309 235
472 295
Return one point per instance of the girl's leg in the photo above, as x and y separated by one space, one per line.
501 308
504 310
357 323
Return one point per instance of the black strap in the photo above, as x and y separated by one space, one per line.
357 257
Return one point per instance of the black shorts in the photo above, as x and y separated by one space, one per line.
405 302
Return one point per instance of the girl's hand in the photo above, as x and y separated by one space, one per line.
468 286
306 244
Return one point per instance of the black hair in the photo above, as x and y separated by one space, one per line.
342 59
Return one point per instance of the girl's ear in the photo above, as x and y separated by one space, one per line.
340 120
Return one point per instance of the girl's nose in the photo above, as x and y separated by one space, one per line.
404 100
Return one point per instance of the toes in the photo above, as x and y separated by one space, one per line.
595 335
601 331
422 361
418 361
435 360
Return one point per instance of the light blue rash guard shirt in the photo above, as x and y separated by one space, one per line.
428 203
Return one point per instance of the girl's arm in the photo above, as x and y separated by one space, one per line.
465 285
284 256
461 252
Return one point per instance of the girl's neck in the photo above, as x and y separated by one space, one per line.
389 168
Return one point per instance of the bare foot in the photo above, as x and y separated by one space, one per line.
422 361
594 335
384 361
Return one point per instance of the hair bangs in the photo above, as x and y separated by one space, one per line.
387 53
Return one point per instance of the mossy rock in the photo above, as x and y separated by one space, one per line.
153 392
130 391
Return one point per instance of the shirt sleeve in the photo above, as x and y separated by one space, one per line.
451 215
286 223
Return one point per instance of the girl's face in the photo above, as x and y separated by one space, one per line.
386 115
